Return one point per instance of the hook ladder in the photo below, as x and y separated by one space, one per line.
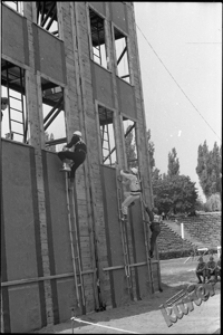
123 227
74 244
146 225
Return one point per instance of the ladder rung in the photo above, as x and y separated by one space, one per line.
14 132
12 120
15 109
15 98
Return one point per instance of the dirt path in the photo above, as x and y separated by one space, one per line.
145 316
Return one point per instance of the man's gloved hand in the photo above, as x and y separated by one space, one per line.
65 148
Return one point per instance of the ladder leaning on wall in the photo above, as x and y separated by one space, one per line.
123 228
74 245
146 225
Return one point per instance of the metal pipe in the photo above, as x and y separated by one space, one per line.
34 280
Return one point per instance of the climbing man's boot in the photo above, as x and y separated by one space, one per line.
65 167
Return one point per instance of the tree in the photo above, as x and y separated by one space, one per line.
199 206
175 194
151 149
50 137
173 163
209 169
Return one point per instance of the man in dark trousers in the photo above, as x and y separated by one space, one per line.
200 270
155 220
211 269
77 155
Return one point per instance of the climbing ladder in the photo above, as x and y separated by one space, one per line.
146 225
123 228
74 244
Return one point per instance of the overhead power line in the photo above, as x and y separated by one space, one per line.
176 82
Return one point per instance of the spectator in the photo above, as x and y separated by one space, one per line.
201 270
211 269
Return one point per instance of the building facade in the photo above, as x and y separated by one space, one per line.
69 66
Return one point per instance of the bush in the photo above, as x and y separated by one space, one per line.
182 253
213 203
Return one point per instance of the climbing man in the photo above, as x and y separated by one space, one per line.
134 192
155 220
77 155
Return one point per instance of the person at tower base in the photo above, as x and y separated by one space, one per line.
134 192
211 269
155 228
201 270
77 155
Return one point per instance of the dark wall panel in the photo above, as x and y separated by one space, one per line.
114 242
20 251
126 98
66 297
102 85
51 55
139 246
24 308
118 11
14 36
99 6
18 211
57 214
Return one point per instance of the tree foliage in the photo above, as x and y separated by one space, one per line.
173 163
176 194
172 192
50 137
209 168
151 149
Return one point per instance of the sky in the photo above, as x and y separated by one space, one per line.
180 51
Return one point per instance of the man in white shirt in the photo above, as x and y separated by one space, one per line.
134 192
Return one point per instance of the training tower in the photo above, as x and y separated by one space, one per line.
69 66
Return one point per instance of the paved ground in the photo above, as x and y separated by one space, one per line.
145 316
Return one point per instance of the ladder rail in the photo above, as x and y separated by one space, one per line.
78 256
72 242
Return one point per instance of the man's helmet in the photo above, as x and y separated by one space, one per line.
77 132
134 170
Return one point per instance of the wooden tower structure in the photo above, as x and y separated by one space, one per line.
69 66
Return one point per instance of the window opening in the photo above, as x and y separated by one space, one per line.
47 16
53 115
107 136
122 59
16 5
15 117
130 142
98 38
